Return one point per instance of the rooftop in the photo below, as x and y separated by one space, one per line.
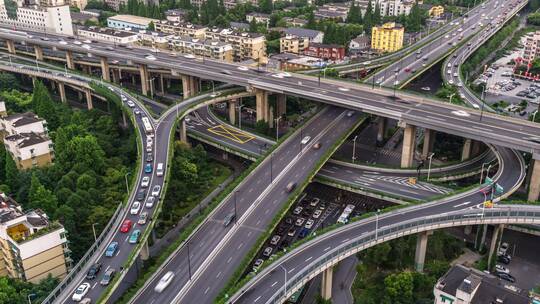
182 24
301 32
175 12
22 119
133 19
9 209
188 39
489 287
27 139
108 31
231 32
325 45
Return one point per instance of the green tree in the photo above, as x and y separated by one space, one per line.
354 15
151 26
398 288
83 151
44 106
8 81
368 18
262 127
253 26
12 173
265 6
377 14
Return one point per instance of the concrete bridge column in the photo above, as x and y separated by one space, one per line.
89 103
476 146
62 91
34 79
534 186
326 284
409 145
115 76
183 133
281 105
193 85
232 111
39 52
69 60
467 149
186 86
262 105
145 252
494 241
161 84
105 71
421 246
429 140
381 128
143 70
11 46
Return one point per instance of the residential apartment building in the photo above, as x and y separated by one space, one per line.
259 18
333 11
227 3
359 45
387 38
311 35
129 21
295 22
26 140
395 7
115 4
436 11
293 44
462 285
51 19
245 45
107 34
31 247
181 29
202 47
532 46
332 52
176 15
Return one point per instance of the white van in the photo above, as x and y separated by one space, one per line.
160 169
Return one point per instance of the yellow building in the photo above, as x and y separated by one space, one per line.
387 38
436 11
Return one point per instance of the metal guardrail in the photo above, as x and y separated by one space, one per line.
397 230
84 260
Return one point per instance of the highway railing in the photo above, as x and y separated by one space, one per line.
60 288
507 215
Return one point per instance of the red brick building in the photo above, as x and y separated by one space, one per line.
326 51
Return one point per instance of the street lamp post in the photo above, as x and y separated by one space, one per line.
430 157
271 166
354 149
395 83
534 115
451 95
277 128
482 99
30 296
189 261
377 224
284 282
94 230
240 115
235 194
127 184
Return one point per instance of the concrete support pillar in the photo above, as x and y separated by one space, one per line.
143 70
11 46
467 149
494 241
194 85
145 252
476 146
105 71
161 84
467 230
420 255
116 76
262 105
62 91
89 103
534 186
281 105
69 60
409 145
326 284
53 85
429 140
79 96
133 80
39 52
381 128
186 86
183 133
232 111
34 79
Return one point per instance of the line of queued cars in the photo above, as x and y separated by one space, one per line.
299 223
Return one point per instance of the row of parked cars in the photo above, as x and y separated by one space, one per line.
505 258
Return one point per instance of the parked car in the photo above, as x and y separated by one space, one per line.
317 213
126 226
93 271
143 218
500 268
135 208
156 190
291 232
80 292
503 248
506 276
275 240
290 186
297 210
108 276
149 157
505 259
305 140
111 249
164 282
268 251
309 224
303 233
134 237
314 202
257 264
86 301
300 221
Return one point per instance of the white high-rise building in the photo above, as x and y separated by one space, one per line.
51 16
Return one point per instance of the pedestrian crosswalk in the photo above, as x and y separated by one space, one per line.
404 181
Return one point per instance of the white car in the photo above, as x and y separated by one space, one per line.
130 104
80 292
149 140
243 68
305 140
317 213
189 56
285 74
62 42
309 224
86 46
500 268
76 42
156 190
150 57
145 181
87 41
164 282
135 208
150 202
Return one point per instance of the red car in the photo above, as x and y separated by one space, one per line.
126 226
408 70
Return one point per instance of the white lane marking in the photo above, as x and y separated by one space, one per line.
240 246
326 170
462 204
94 285
207 289
257 299
249 233
327 248
307 260
291 270
345 240
117 253
274 284
107 268
229 260
219 273
127 237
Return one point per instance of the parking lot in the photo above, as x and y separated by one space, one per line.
318 207
525 265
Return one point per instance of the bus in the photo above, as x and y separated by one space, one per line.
344 217
147 126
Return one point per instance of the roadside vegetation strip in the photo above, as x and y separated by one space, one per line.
236 281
